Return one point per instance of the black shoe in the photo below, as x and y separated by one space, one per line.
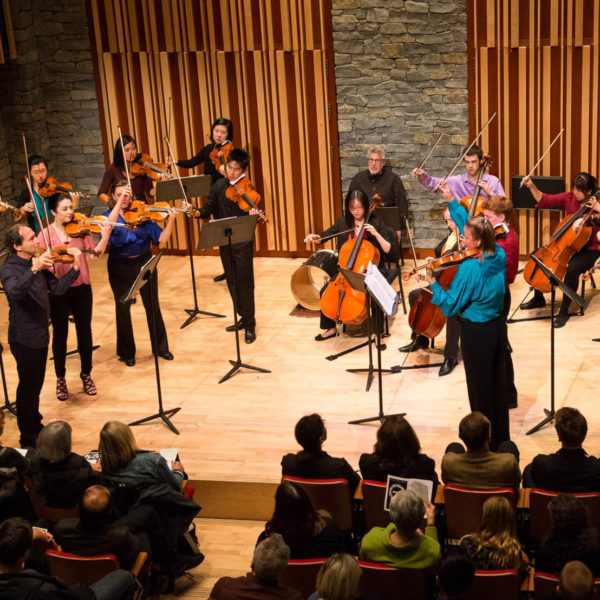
535 302
250 334
561 320
166 355
220 277
130 362
420 343
240 325
185 563
447 366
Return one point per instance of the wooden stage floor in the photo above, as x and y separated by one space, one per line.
238 430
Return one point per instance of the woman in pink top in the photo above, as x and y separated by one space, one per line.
77 301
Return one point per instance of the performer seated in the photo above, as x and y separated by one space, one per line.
582 188
356 207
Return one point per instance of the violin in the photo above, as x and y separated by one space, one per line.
143 164
139 212
80 225
60 254
473 204
445 261
244 194
18 213
52 186
219 154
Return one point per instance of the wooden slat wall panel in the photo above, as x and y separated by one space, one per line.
537 64
8 48
260 63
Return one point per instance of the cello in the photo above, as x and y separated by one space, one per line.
340 301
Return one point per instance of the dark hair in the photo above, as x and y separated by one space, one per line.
308 432
222 121
482 231
584 182
16 537
240 156
294 516
456 575
571 426
117 184
354 195
474 150
37 159
14 237
397 442
56 199
118 151
576 581
474 430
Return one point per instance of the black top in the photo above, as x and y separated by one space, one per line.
203 157
568 470
27 295
553 556
30 585
319 465
386 183
375 468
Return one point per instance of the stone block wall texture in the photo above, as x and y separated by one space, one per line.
401 79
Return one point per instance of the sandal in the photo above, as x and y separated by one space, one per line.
88 385
62 393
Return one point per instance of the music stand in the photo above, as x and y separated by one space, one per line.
554 283
146 271
226 232
195 187
392 218
8 405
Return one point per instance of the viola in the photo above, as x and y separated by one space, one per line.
80 225
219 154
445 261
18 213
244 194
473 204
52 186
143 164
139 211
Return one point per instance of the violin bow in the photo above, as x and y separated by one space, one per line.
441 183
176 170
169 123
431 151
328 237
124 157
542 157
412 245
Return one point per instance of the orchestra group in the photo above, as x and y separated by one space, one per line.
46 275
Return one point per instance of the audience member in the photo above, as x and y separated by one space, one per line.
312 461
496 545
270 560
479 467
575 582
59 475
17 583
571 538
401 543
337 579
397 452
308 533
570 469
456 575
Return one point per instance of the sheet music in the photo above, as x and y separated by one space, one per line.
381 291
169 454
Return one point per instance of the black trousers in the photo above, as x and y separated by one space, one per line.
243 255
484 352
31 368
452 329
511 390
78 301
121 275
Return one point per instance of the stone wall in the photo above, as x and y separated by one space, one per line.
401 78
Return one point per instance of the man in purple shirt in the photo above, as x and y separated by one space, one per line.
464 185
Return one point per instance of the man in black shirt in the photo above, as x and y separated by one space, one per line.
27 285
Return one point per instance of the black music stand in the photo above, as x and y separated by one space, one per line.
554 283
144 275
195 187
8 405
392 218
226 232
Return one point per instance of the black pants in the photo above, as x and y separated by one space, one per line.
121 275
511 390
452 329
243 255
31 368
78 301
484 351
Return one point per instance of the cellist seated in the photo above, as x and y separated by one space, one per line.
356 208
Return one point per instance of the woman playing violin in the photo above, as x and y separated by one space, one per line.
142 185
582 188
129 251
356 207
78 298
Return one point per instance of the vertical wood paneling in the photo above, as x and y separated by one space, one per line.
260 63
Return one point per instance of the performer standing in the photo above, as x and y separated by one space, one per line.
582 188
77 300
477 295
27 285
129 251
220 207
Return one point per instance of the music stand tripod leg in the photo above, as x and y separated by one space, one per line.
8 405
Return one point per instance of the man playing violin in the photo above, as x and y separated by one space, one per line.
27 284
220 207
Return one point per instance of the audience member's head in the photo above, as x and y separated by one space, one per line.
569 517
294 516
16 537
117 446
407 511
576 582
54 442
310 432
338 578
94 507
498 533
474 431
270 558
571 427
397 441
456 576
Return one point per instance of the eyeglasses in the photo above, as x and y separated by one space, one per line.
375 160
